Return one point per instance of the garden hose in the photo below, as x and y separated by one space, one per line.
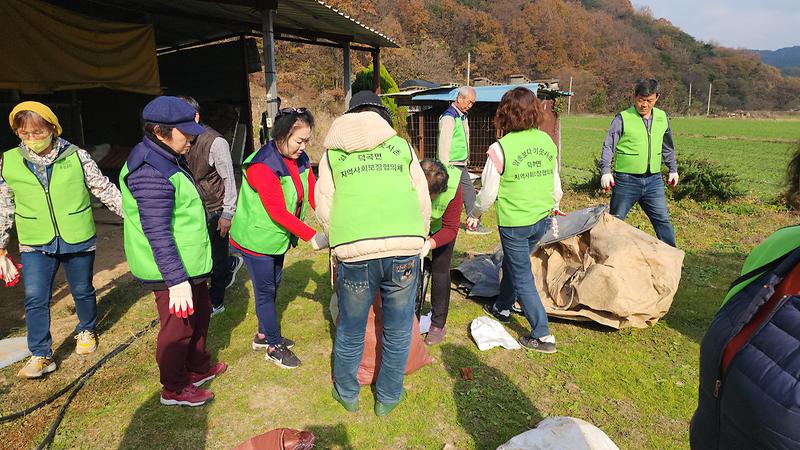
77 383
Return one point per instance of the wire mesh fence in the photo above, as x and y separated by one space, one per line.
423 130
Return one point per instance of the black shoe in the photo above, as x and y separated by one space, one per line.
516 308
217 309
502 316
283 357
532 343
238 262
259 344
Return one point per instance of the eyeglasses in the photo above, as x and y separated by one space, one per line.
35 134
293 111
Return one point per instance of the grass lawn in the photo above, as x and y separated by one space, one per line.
757 150
639 386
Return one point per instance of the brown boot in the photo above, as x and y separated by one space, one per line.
435 335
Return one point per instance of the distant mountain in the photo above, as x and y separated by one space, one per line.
602 45
787 59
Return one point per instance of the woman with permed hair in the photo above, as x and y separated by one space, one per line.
521 173
445 192
277 187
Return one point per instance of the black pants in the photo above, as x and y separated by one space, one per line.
222 261
440 283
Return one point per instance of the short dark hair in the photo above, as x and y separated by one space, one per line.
519 110
156 129
436 174
191 101
646 87
383 112
285 123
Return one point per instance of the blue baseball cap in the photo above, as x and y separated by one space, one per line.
172 112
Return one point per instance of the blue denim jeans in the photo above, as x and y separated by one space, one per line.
356 286
517 281
266 272
38 271
648 191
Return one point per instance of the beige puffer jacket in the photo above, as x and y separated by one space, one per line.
364 131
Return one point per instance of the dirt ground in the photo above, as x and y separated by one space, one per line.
109 266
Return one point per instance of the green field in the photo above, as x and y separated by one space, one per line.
757 150
639 386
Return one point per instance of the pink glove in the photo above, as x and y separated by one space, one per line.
9 271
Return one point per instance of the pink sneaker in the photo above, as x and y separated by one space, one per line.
188 396
198 379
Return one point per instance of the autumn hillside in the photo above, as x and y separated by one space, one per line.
603 44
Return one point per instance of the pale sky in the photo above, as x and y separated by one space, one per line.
754 24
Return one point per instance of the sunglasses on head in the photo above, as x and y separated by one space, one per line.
294 111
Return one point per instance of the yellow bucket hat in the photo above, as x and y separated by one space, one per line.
40 109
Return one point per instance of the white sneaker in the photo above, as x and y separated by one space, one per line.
36 367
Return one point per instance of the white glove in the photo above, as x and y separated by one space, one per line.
607 181
672 180
472 222
554 227
426 248
319 241
7 269
180 300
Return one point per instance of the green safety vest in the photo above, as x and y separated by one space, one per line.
189 229
639 151
61 209
526 184
781 243
252 226
441 203
459 143
374 197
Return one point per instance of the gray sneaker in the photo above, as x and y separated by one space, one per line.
435 335
537 344
480 229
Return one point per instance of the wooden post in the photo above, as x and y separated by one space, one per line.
708 108
376 70
569 98
268 10
348 89
421 150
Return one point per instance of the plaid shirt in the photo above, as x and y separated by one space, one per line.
99 185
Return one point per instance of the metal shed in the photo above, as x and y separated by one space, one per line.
185 26
425 107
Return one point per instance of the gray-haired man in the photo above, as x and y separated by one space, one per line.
454 147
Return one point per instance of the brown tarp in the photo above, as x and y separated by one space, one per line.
46 48
614 274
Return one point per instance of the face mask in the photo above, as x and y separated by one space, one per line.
38 145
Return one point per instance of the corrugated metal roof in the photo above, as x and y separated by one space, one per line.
360 33
184 22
